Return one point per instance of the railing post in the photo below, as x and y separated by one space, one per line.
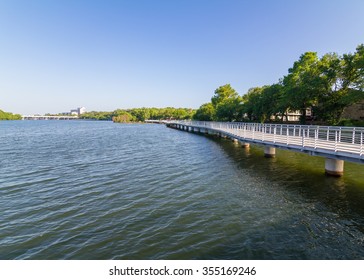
316 136
274 133
361 143
340 135
335 141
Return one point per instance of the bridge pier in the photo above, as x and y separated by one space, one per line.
210 132
334 167
269 152
245 145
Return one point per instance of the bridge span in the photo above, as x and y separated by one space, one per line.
336 144
46 117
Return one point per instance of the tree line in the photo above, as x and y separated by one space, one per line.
9 116
141 114
326 85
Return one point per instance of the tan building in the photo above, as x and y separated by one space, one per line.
294 116
355 111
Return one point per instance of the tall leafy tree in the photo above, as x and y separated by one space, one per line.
328 105
353 76
251 103
226 102
271 105
343 82
303 84
206 112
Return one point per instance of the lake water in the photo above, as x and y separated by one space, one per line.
99 190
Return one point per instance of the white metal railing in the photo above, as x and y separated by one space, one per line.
335 139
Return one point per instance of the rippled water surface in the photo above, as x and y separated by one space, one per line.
99 190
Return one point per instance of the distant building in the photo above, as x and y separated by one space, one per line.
81 110
294 116
78 111
355 111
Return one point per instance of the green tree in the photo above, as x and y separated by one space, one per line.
122 117
270 105
227 103
328 104
251 103
352 77
223 93
140 114
303 85
206 112
9 116
343 84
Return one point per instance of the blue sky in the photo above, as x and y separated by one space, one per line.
104 55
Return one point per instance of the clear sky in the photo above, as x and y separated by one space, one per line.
109 54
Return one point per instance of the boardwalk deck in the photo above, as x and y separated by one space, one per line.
341 143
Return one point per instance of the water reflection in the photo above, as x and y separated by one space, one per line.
303 175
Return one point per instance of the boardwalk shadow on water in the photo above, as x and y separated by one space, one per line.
321 217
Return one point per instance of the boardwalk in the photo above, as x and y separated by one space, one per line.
337 144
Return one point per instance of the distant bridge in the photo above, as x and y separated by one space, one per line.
336 144
38 117
157 121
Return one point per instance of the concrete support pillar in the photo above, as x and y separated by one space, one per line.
269 152
235 140
245 145
210 132
196 129
334 167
